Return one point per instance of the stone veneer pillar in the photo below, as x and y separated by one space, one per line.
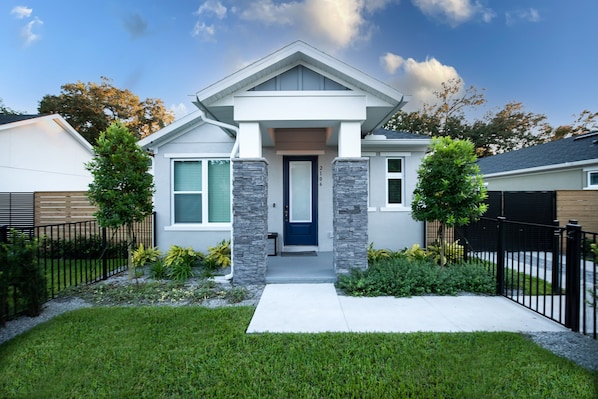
250 221
350 207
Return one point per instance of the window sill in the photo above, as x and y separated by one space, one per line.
198 227
591 188
395 209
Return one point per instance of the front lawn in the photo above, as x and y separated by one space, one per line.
190 351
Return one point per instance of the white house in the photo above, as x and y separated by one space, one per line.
42 153
292 145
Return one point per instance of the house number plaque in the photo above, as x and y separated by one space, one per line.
321 175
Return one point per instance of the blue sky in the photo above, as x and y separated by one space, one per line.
543 53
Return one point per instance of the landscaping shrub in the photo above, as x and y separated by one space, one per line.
453 252
219 255
142 256
179 262
374 255
402 276
20 269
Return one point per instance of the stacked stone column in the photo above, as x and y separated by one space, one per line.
250 221
350 221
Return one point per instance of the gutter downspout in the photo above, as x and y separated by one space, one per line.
233 154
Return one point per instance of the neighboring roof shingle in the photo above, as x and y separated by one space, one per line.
4 119
572 149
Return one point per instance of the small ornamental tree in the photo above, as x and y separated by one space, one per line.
122 187
449 187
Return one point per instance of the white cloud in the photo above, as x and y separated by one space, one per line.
179 110
530 15
206 32
454 12
336 23
27 32
212 7
418 79
21 12
391 62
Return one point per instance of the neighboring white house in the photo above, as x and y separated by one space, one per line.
42 153
297 133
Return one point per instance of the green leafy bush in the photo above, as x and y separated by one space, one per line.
402 276
158 270
179 262
453 252
374 255
219 255
20 269
142 256
416 253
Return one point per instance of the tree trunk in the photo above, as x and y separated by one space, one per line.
130 249
442 245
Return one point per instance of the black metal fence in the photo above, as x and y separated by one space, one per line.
75 254
546 268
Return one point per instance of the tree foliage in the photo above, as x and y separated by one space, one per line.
450 188
509 128
4 110
91 107
122 187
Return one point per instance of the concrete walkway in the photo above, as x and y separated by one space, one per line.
314 308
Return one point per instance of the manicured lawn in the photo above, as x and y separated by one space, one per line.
163 352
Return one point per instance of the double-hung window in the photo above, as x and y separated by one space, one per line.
201 191
394 182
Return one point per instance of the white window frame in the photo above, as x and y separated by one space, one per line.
589 173
394 175
204 197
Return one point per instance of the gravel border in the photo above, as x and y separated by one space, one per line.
576 347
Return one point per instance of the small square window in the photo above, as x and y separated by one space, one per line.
593 179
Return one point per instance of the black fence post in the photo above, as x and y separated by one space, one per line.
556 258
500 257
104 257
572 284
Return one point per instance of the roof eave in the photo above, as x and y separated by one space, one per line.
546 168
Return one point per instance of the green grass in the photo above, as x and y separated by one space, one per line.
63 273
165 352
515 280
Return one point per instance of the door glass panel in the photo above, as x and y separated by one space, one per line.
300 191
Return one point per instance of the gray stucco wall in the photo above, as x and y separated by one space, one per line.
571 179
199 141
393 227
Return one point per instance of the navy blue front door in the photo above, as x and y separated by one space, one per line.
300 200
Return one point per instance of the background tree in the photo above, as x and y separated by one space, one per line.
4 110
122 188
449 188
90 108
509 128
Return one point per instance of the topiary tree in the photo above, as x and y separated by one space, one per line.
122 187
449 187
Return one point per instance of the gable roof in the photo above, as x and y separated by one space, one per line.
216 99
4 118
575 150
12 121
